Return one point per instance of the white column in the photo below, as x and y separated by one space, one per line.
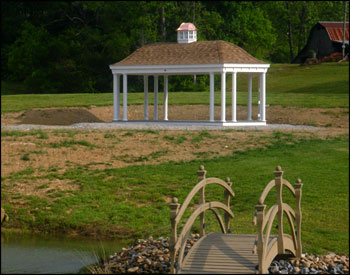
234 96
223 96
125 97
165 101
250 87
259 97
211 96
263 97
116 97
155 97
145 90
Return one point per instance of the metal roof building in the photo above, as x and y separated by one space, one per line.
325 38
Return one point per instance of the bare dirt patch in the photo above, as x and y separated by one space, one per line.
324 117
62 150
98 149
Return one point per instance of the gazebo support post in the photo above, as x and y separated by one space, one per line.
259 99
145 89
263 97
211 96
250 87
165 102
125 97
116 97
155 97
223 96
234 97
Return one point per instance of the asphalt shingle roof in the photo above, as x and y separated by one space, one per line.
200 52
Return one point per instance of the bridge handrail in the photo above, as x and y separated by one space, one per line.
178 243
263 244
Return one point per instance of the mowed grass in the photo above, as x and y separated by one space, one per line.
324 86
132 201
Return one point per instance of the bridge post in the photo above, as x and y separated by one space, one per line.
260 208
298 186
279 183
201 176
227 202
174 208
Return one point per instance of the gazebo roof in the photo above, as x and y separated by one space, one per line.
200 52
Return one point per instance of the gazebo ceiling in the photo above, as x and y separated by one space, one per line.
201 52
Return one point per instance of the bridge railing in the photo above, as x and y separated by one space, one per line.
268 248
178 242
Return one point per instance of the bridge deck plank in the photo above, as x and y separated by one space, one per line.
222 253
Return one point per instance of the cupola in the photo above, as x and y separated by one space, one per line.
186 33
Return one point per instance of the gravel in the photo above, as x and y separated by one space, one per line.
157 126
312 264
153 256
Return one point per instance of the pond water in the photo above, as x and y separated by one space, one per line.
32 254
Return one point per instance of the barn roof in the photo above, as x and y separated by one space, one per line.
200 52
335 30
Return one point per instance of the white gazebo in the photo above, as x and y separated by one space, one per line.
191 57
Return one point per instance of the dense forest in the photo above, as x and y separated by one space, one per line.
63 47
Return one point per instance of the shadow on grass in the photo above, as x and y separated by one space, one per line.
329 88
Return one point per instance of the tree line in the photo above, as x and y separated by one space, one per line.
62 47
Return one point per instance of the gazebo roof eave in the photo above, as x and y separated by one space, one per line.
188 68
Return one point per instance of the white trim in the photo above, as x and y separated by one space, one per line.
190 68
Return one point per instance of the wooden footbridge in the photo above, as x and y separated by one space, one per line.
219 253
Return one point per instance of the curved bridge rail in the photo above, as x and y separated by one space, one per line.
178 242
267 247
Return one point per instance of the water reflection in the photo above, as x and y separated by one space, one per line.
46 255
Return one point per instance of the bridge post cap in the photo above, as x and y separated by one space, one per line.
174 200
278 171
298 183
227 179
260 207
201 172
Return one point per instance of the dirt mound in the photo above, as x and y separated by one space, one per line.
66 116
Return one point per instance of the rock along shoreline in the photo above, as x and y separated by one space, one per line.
150 255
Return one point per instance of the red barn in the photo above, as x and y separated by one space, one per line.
325 38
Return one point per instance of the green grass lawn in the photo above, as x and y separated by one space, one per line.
323 86
132 200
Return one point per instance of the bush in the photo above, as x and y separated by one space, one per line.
334 57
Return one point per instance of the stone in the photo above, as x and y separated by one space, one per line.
148 261
305 270
275 269
296 269
133 269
